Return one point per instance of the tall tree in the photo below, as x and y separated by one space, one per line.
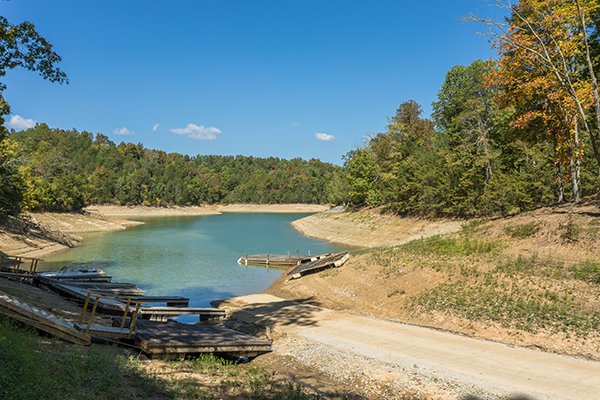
551 44
20 46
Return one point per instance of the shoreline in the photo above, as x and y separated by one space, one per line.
108 218
369 228
215 209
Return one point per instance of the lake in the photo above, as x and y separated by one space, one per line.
195 257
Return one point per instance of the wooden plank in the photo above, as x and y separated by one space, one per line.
170 300
171 337
182 310
163 313
46 328
106 305
49 322
100 285
103 331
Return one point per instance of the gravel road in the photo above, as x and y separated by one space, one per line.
391 357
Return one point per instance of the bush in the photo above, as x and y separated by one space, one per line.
522 231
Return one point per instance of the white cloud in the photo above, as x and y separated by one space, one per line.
123 132
198 132
155 127
19 123
324 137
295 124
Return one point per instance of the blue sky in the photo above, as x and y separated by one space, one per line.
253 77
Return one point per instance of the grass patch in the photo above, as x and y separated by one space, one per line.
472 226
30 369
33 368
527 309
588 271
522 231
387 259
438 245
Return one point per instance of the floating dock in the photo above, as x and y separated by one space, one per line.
114 297
278 260
141 314
330 261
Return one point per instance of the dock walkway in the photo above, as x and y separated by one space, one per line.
277 260
173 338
42 320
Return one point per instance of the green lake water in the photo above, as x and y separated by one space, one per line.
195 257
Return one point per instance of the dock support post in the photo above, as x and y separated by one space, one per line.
85 306
92 314
125 313
134 319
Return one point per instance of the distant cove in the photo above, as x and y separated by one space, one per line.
194 257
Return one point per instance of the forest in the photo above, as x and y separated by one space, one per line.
66 170
505 136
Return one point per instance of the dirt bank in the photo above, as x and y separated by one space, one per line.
530 280
272 208
141 211
371 228
41 234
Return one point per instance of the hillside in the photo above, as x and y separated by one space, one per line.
531 279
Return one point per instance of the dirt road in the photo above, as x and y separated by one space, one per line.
389 352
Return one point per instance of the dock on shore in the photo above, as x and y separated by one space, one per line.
321 264
146 321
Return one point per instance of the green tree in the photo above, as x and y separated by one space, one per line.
20 46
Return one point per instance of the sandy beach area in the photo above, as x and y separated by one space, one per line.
272 208
141 211
370 228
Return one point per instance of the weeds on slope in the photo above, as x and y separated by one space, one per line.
523 303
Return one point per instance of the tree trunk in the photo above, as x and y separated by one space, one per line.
559 185
576 166
560 192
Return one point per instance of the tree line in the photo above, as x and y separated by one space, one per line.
65 170
505 136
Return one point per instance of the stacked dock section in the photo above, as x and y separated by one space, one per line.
146 321
301 265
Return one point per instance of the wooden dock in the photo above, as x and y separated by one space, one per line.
114 297
331 261
79 292
18 264
278 260
41 320
158 339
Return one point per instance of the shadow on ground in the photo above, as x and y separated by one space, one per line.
256 318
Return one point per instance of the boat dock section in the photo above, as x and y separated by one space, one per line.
278 260
42 320
171 338
331 261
